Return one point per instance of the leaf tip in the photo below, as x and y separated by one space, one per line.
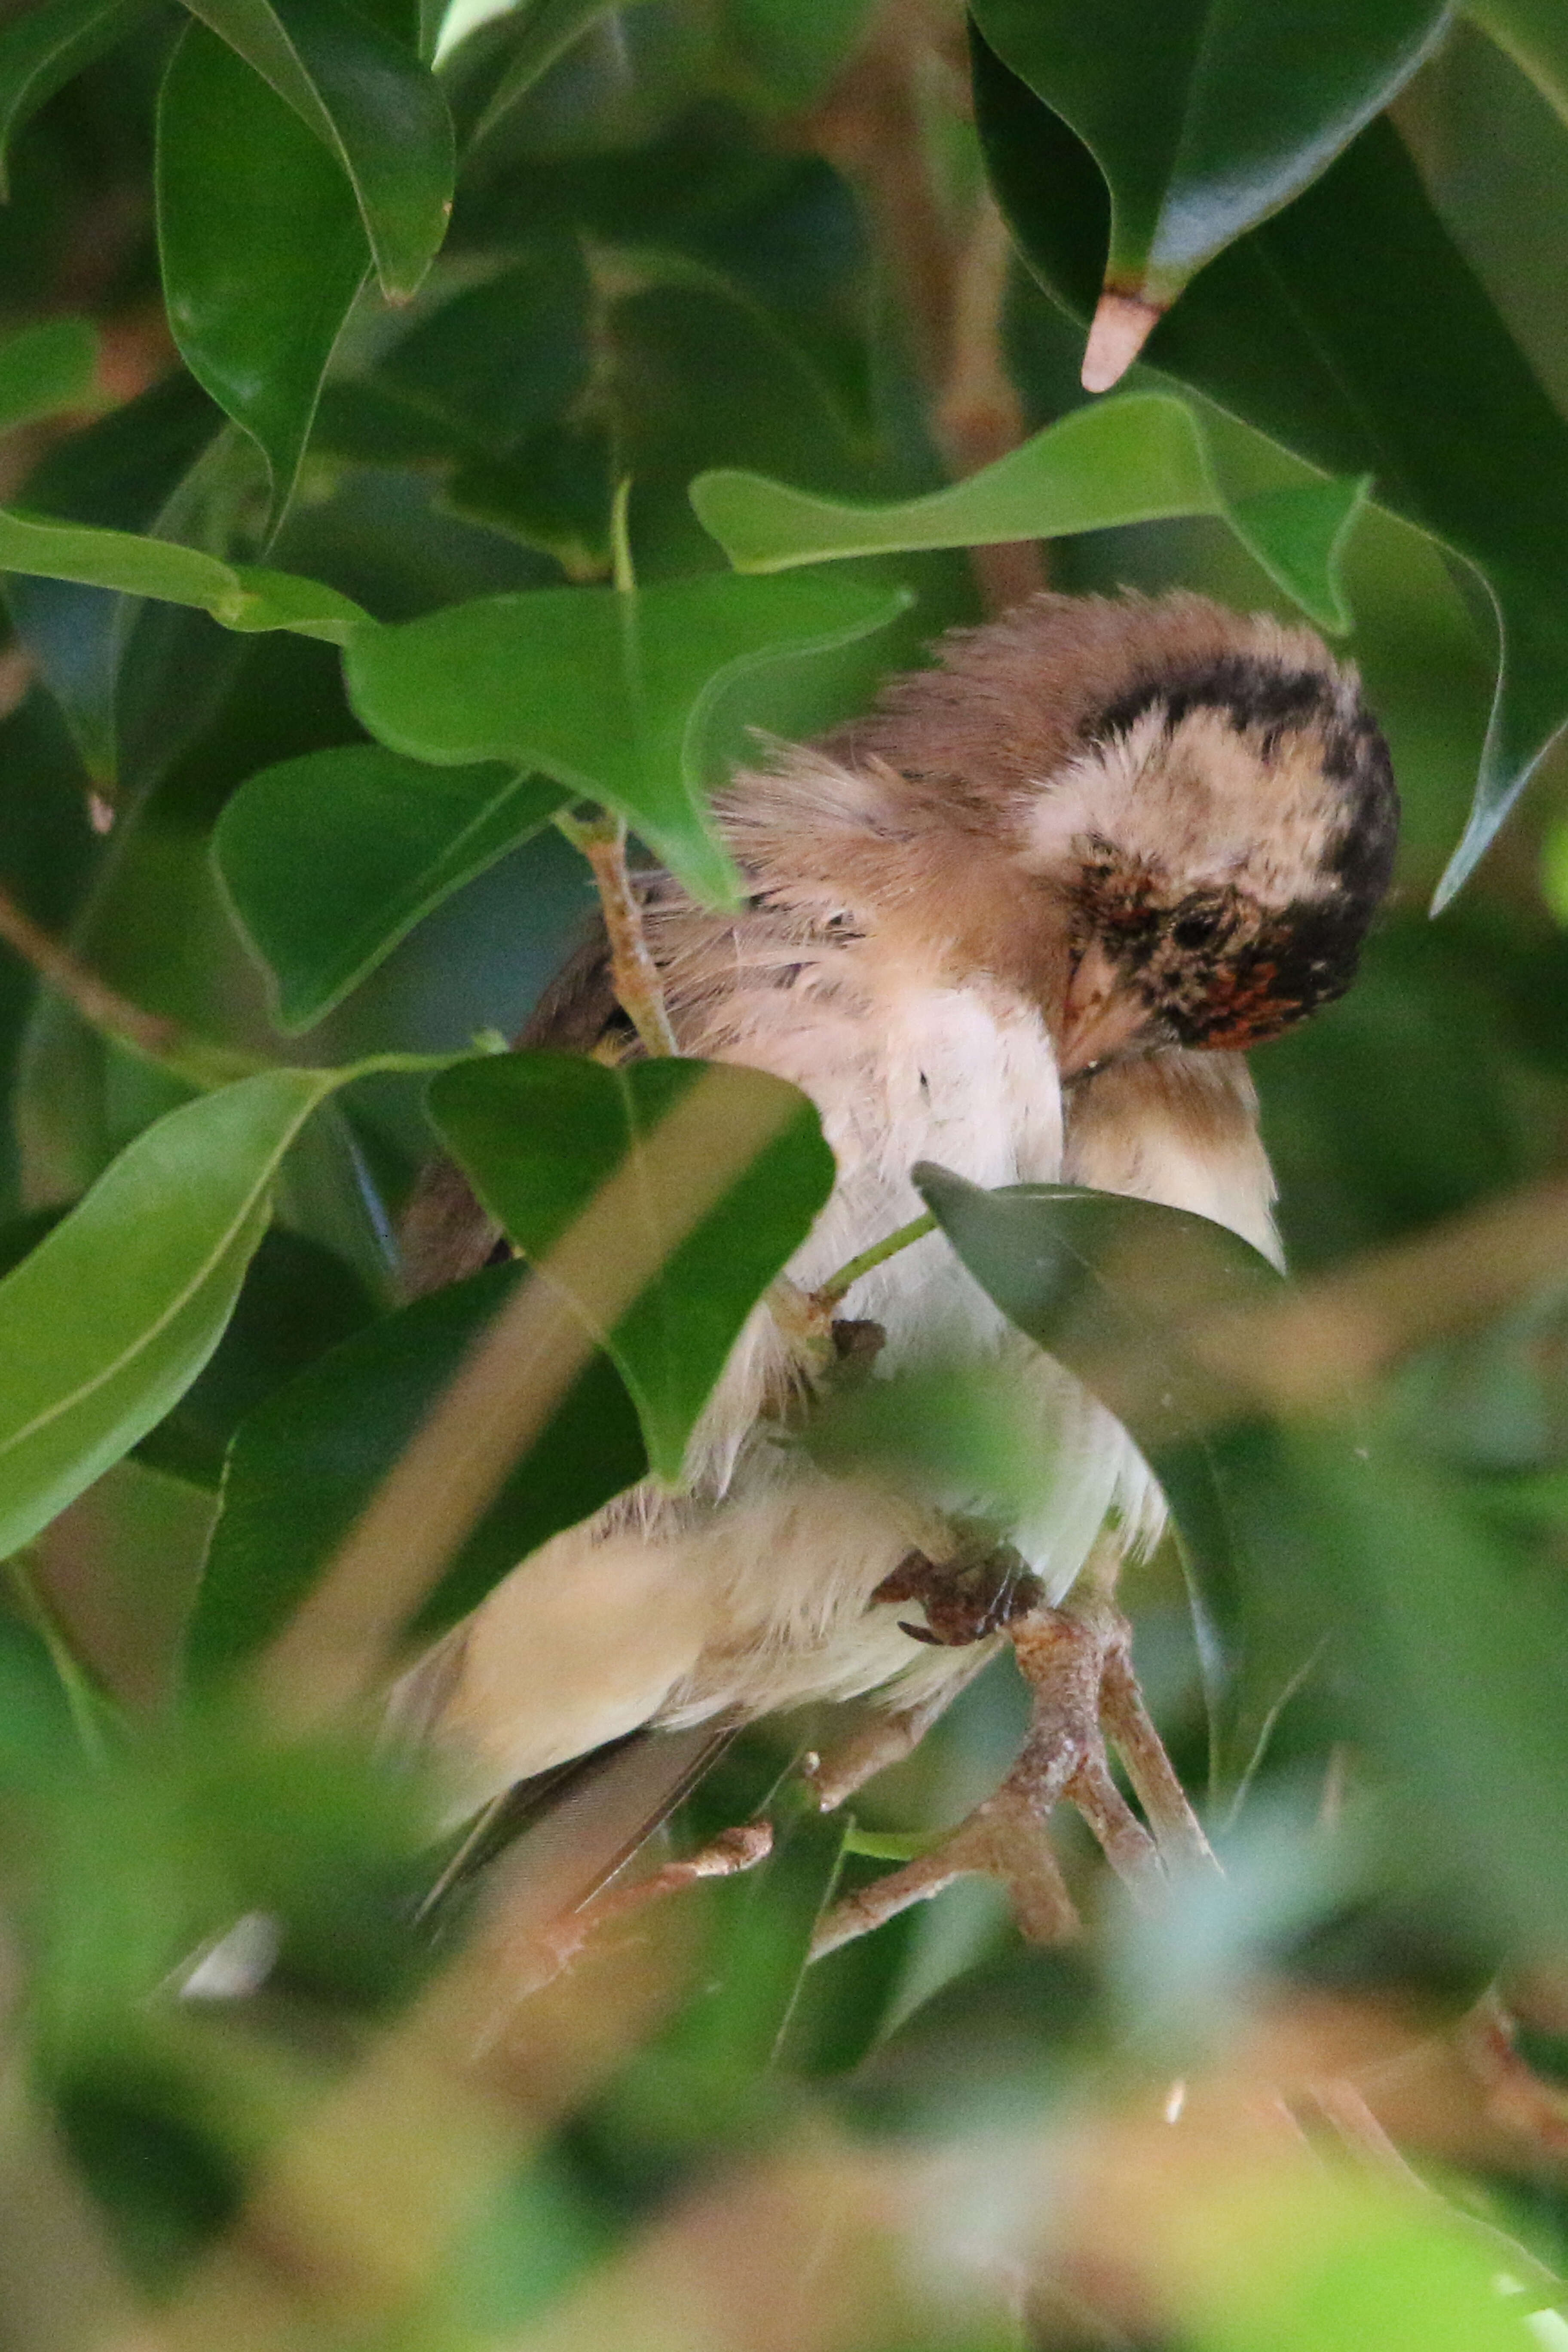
1123 324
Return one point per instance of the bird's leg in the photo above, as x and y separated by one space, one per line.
550 1948
1076 1660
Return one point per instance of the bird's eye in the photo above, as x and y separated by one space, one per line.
1198 930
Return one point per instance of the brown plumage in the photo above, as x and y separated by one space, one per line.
1010 921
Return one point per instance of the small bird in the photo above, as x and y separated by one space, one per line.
1022 919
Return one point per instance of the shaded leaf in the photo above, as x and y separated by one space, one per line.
546 30
539 1134
1116 1289
790 55
1205 116
45 368
1349 328
1139 458
331 859
1535 34
612 694
371 105
261 245
44 46
306 1463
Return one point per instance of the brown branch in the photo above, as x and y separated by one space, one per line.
151 1036
639 988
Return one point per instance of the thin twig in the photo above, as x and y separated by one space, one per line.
641 992
149 1035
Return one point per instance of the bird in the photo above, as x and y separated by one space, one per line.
1023 918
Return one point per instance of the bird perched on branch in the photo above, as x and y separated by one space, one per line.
1023 920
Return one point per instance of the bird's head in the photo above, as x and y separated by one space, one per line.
1196 804
1222 842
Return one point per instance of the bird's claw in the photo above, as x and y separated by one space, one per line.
1077 1662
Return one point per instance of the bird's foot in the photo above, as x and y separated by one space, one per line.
553 1948
983 1588
1077 1662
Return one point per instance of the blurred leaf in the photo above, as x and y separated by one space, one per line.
537 1134
1138 459
1205 118
537 33
501 358
107 1323
792 55
43 47
306 1463
45 368
331 859
372 106
1535 35
1349 328
262 249
610 693
242 596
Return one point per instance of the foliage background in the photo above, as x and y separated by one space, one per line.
690 235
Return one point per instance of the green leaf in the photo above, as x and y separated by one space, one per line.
790 55
617 695
107 1323
1139 458
331 859
371 105
1207 116
539 1134
304 1466
546 29
43 48
1535 34
261 245
45 369
1115 1289
1348 329
242 596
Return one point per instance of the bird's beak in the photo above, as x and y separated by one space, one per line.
1100 1015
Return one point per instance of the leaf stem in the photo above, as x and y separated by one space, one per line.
168 1043
603 842
834 1287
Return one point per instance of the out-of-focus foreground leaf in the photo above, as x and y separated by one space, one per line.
304 1466
1348 329
43 47
539 1134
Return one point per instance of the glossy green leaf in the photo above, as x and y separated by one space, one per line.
261 244
331 859
371 105
246 597
616 695
45 369
1535 34
43 47
107 1323
1207 116
1115 1288
1348 329
538 1135
304 1466
1141 457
